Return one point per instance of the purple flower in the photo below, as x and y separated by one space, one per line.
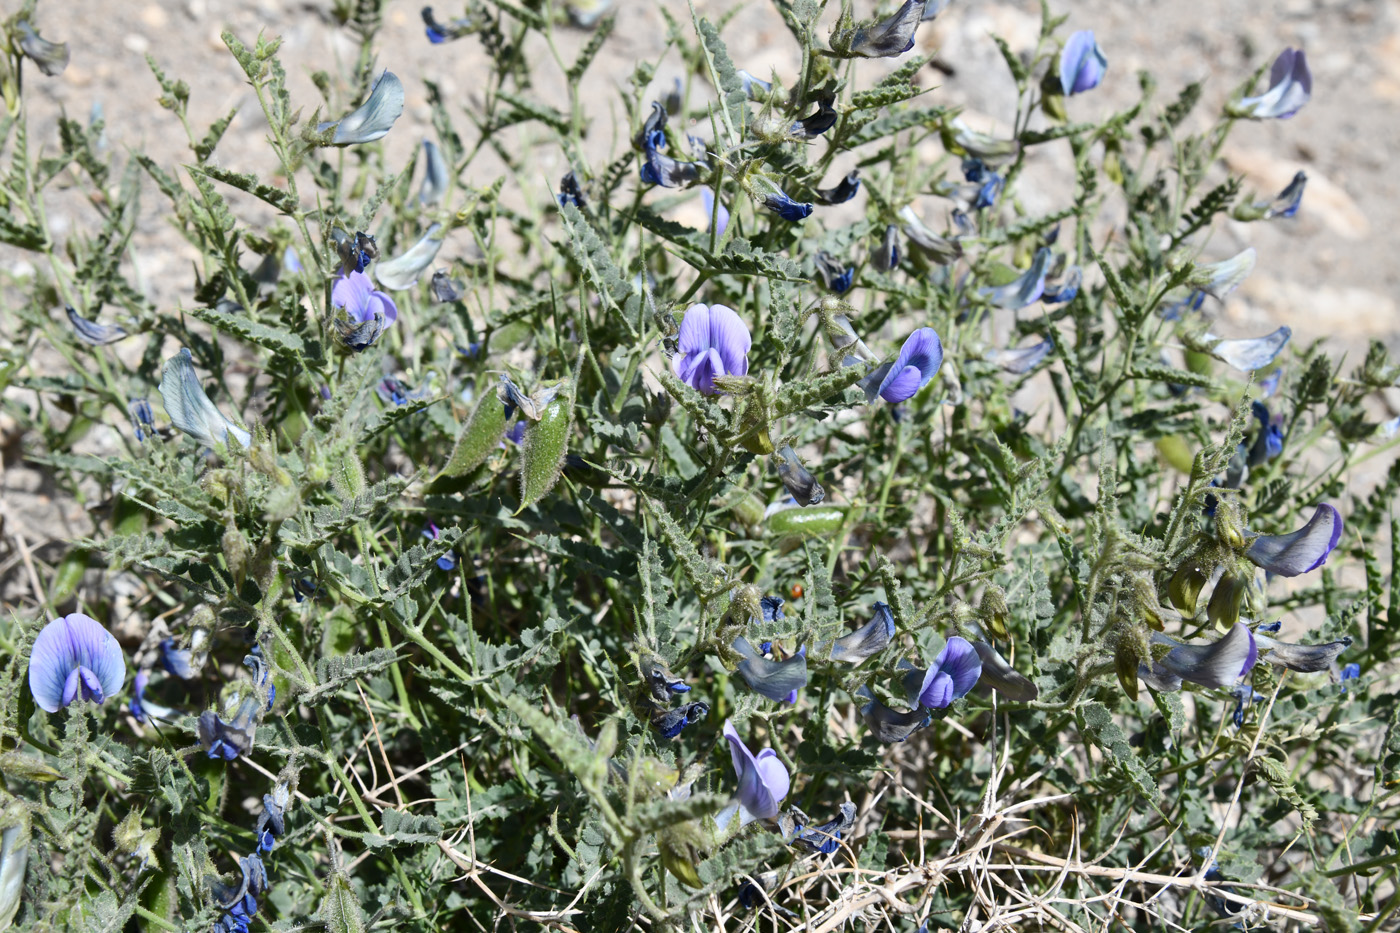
227 740
1024 289
1020 361
142 709
367 311
720 218
1302 550
1082 63
74 657
1249 353
763 781
1216 665
372 119
713 342
272 821
953 673
1290 87
142 420
918 362
998 673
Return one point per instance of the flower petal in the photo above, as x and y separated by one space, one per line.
403 271
1249 354
1216 665
66 646
959 660
1002 677
1020 361
435 178
772 679
1305 659
91 332
1302 550
372 119
730 336
868 640
890 725
189 407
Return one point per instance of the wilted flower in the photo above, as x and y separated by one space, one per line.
1216 665
1082 63
373 118
826 838
455 29
403 271
74 657
1022 360
1290 87
435 176
1285 205
823 119
658 168
1064 289
842 335
185 663
272 821
142 421
1305 659
396 392
1024 289
670 722
1251 353
570 192
142 709
240 901
713 341
763 781
357 252
842 191
836 277
1219 279
444 288
936 248
189 407
800 483
1268 443
229 739
93 333
755 88
979 145
885 39
367 311
886 258
1244 695
918 362
867 641
953 673
51 57
998 674
786 208
1302 550
889 725
776 680
661 683
531 406
771 608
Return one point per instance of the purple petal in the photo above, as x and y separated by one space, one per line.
1082 63
775 776
380 303
730 337
1002 677
62 649
351 292
1218 665
960 661
694 336
1302 550
938 690
902 386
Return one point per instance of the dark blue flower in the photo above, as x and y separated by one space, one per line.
974 170
918 362
1287 202
72 658
885 39
1192 302
836 277
842 191
142 421
272 821
797 480
786 208
1268 443
185 663
227 739
819 122
1349 672
1064 289
570 192
304 588
1300 551
1244 695
357 252
670 722
396 392
772 609
887 256
989 191
367 312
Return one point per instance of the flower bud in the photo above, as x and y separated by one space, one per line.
994 612
1186 584
1224 607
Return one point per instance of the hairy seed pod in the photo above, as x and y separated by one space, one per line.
480 435
1186 585
543 452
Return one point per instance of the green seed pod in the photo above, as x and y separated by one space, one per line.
806 522
1186 584
348 476
237 552
995 613
542 451
480 435
14 856
1225 602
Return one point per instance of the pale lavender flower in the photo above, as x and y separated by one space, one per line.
1220 664
372 119
1082 63
403 271
1290 87
93 333
1250 353
1219 279
763 780
367 311
887 724
189 407
1024 289
713 341
435 178
867 641
1020 361
74 657
776 680
51 57
918 362
1302 550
